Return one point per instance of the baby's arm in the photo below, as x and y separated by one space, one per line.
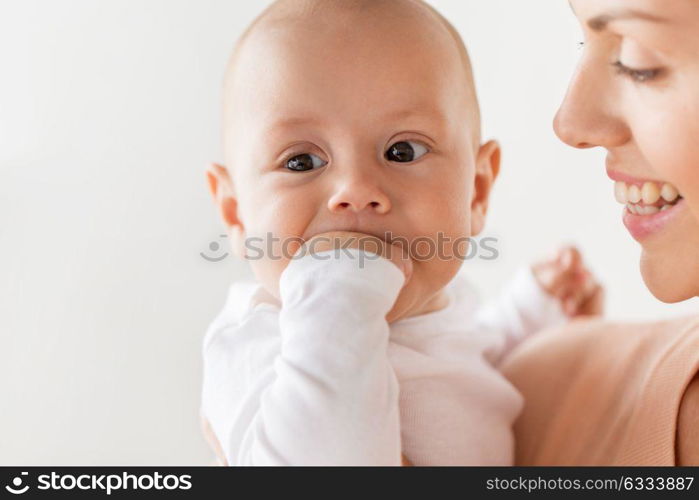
325 393
521 309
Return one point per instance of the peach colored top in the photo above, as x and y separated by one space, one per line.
603 393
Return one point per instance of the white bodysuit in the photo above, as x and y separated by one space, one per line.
326 380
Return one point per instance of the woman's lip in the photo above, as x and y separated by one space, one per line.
643 226
628 179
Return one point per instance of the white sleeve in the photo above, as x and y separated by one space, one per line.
319 390
522 309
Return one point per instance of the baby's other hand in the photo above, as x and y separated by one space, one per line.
349 239
566 278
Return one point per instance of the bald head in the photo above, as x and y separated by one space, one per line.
346 18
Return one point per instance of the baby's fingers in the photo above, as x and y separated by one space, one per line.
593 304
557 276
569 259
585 298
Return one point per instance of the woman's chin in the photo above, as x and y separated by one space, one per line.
668 279
669 263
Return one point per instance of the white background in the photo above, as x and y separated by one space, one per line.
109 111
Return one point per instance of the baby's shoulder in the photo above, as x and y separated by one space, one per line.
465 298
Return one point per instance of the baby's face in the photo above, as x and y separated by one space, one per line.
346 128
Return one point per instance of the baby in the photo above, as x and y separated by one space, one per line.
352 142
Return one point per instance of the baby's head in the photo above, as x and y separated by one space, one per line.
357 115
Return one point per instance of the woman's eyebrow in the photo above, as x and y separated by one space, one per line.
599 23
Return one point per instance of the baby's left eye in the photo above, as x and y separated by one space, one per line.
405 151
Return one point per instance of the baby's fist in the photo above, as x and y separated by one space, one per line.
566 278
349 239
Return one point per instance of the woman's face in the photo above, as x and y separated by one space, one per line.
636 94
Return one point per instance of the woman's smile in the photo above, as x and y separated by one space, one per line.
643 226
649 205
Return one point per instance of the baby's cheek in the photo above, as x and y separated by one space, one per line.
269 251
450 198
268 272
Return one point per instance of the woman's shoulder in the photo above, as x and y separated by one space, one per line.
591 378
598 350
598 334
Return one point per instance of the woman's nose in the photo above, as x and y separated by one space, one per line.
357 190
589 115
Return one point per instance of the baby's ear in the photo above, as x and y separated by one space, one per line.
487 170
221 188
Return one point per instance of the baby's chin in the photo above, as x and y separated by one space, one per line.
413 301
403 309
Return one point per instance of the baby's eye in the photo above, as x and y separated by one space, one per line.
304 162
405 151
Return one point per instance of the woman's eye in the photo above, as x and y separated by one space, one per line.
637 75
405 151
304 162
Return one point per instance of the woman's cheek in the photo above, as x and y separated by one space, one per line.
672 151
685 130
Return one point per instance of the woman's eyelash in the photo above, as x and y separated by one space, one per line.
637 75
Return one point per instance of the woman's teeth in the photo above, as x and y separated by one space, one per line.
648 199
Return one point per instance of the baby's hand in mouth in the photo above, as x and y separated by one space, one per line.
566 278
349 239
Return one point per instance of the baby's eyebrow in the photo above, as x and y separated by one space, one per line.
295 122
402 114
414 113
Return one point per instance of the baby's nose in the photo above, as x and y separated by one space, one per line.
359 196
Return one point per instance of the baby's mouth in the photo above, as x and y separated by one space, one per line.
646 198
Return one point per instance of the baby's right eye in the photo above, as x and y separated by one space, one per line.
304 162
